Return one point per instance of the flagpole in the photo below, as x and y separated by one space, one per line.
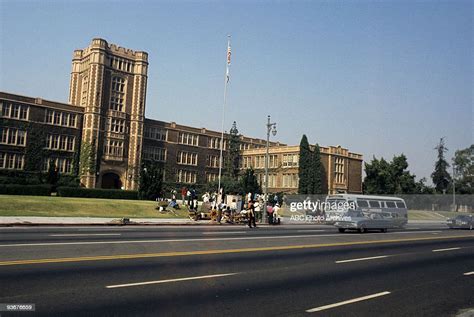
226 81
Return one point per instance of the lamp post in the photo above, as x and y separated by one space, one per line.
271 127
454 187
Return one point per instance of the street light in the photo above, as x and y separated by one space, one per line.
271 127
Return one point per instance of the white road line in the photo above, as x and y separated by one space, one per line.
311 230
165 241
171 280
469 273
363 259
84 234
224 232
403 232
355 300
442 250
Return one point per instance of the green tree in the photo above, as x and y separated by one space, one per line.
318 172
34 152
440 176
304 171
249 182
86 159
464 169
391 178
151 181
231 166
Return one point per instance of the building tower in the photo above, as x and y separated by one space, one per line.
110 83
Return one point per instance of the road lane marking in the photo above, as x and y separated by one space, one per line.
84 234
469 273
443 250
311 230
363 259
404 232
165 240
214 252
350 301
225 232
184 240
171 280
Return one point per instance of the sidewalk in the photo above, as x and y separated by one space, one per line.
83 221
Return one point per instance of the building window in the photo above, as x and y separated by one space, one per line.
114 148
154 153
61 118
290 160
183 176
116 125
211 177
156 133
85 88
187 158
117 95
212 161
290 180
63 165
339 170
12 136
60 142
12 161
272 180
188 138
14 111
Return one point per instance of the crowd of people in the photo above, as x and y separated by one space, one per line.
222 208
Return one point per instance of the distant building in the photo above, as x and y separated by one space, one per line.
105 119
343 169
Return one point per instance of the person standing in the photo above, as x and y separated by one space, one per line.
257 208
251 214
184 191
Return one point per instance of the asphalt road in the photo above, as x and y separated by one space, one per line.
426 270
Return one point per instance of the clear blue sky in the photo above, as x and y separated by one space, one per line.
378 77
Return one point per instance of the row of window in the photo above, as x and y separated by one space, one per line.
212 161
288 160
116 125
63 165
117 94
113 148
183 176
364 203
188 138
121 64
154 153
339 170
14 111
155 133
60 142
187 158
12 161
61 118
12 136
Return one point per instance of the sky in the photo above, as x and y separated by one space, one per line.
380 78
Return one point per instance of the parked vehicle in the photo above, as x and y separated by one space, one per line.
461 222
363 212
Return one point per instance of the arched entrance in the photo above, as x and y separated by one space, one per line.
111 180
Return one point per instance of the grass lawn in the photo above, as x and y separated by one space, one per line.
43 206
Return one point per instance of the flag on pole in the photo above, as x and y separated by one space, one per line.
229 53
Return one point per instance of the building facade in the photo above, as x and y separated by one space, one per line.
343 169
109 82
103 135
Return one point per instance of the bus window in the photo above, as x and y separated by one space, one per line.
362 203
391 204
374 203
401 204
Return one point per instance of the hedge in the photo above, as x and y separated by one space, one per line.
97 193
31 190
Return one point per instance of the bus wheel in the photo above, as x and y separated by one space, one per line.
383 230
362 230
342 230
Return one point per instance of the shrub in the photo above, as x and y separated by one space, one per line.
97 193
31 190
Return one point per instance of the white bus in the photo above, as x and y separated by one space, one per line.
364 212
